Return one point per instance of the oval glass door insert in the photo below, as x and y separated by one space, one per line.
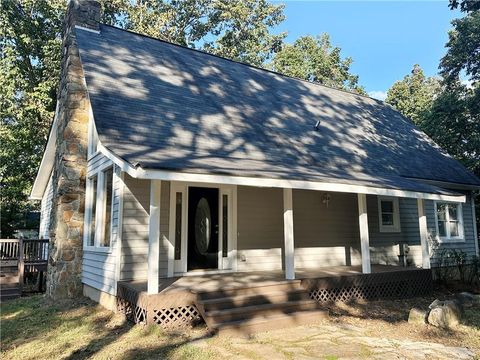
203 221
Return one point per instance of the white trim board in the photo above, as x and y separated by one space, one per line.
227 263
266 182
46 165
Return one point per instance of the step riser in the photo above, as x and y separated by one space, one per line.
9 291
255 300
9 285
263 290
294 319
9 297
276 309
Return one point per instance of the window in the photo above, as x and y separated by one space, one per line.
224 225
178 225
98 214
92 139
107 203
92 211
449 221
388 214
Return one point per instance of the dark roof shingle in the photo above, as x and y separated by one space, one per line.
162 106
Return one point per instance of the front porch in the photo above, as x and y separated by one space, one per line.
242 257
247 301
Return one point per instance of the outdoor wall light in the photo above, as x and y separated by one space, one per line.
326 198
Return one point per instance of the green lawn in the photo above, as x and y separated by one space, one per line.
32 328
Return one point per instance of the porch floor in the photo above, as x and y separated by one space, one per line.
231 280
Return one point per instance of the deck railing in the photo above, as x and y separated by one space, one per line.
30 255
9 249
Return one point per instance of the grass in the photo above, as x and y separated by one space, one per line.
33 328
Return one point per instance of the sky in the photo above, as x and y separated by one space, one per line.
384 38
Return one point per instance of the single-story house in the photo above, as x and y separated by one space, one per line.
177 182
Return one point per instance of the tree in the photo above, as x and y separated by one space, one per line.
465 5
456 112
30 67
413 96
238 30
315 59
453 122
463 49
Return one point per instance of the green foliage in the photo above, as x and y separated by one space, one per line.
239 30
315 59
29 64
453 121
463 49
465 5
449 111
413 96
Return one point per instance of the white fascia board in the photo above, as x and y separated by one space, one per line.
447 185
87 29
46 165
277 183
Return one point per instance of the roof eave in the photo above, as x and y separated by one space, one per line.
46 165
168 175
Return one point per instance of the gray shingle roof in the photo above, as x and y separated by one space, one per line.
162 106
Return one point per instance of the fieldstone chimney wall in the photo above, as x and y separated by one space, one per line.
68 177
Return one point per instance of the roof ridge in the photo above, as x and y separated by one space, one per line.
243 63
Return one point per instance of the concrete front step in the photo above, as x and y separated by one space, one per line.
269 322
267 297
287 285
250 312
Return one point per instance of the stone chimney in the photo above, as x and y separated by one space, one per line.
68 177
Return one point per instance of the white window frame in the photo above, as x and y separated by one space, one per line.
396 227
100 210
449 238
93 142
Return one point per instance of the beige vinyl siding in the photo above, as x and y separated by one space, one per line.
136 207
46 211
98 267
260 228
325 235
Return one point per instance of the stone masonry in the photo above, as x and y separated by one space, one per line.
68 178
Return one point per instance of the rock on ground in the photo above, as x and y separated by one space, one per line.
417 316
445 316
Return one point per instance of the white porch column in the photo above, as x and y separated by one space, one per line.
154 236
422 224
364 237
288 234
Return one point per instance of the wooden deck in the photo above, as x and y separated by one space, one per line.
250 301
231 280
19 257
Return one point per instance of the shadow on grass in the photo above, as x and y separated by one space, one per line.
32 319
